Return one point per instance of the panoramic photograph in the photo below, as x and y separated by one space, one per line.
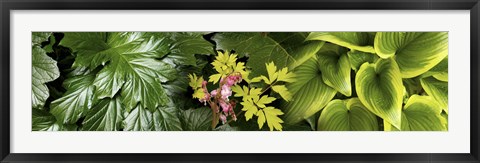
239 81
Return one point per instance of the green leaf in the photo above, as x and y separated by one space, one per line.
347 115
226 127
139 119
199 119
166 119
106 115
379 87
357 58
335 67
39 37
184 46
439 71
415 52
309 92
76 101
49 48
421 113
44 69
42 120
412 86
437 89
263 49
295 44
283 91
353 40
130 64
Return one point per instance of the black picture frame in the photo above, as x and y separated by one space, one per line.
9 5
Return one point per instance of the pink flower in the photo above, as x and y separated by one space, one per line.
213 93
234 79
226 92
223 118
226 107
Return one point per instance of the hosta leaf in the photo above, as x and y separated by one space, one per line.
199 119
130 64
420 113
166 119
439 71
415 52
436 89
263 49
76 101
352 40
357 58
335 68
379 87
139 119
412 86
309 92
106 115
347 115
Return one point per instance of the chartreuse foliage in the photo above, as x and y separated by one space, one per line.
230 81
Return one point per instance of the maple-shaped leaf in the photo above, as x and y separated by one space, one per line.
130 62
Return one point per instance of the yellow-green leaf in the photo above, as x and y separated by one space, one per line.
271 116
347 115
335 67
437 89
261 118
415 52
353 40
249 108
215 78
309 93
420 113
379 87
283 91
195 82
284 75
357 58
264 100
272 72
